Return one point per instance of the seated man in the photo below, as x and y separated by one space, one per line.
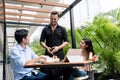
20 55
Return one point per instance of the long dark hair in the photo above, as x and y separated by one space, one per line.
89 47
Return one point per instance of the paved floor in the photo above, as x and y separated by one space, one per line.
1 71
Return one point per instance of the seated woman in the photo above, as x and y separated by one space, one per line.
87 53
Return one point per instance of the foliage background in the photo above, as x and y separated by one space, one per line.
104 32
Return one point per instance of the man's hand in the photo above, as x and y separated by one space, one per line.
49 49
55 49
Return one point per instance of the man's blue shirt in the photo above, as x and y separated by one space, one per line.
18 57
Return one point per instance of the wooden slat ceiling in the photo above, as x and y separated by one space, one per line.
30 11
27 11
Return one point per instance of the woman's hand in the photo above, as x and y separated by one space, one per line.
95 58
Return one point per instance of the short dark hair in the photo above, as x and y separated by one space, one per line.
20 34
55 13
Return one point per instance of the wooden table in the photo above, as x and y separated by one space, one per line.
58 64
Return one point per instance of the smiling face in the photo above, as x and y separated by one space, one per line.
86 45
26 40
83 44
54 19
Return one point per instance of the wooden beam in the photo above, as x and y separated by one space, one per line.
27 20
1 12
27 15
28 9
1 5
44 3
1 18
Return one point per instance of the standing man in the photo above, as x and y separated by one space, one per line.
21 55
54 38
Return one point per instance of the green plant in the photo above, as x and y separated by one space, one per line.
105 36
108 35
36 47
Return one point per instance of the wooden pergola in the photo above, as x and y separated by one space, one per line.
16 9
26 13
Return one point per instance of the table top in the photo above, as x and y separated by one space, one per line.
58 64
